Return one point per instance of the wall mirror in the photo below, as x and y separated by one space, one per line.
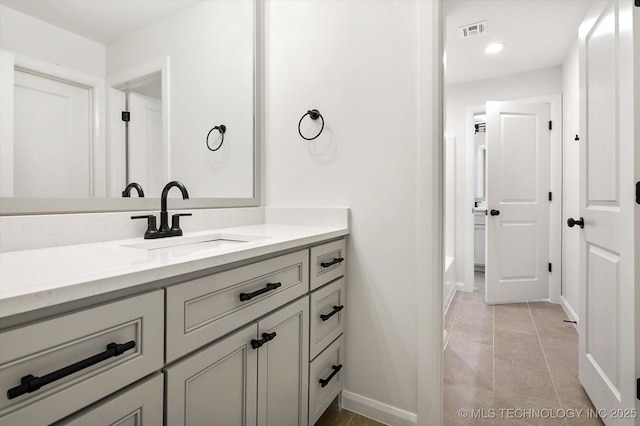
99 94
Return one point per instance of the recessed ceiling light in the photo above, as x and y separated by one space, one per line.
494 48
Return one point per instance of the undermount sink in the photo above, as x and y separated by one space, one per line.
193 243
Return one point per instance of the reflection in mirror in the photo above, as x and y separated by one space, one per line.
69 69
138 128
481 155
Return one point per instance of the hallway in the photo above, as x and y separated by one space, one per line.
519 356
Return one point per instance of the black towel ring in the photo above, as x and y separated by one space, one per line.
314 114
222 129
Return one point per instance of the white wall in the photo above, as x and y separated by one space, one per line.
357 63
32 37
458 98
210 50
571 180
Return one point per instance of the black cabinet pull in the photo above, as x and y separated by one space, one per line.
571 222
336 368
336 309
31 383
333 262
266 337
495 212
248 296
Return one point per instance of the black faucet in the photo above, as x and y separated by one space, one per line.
164 230
133 185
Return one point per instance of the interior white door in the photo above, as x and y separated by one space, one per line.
608 318
517 243
59 147
144 142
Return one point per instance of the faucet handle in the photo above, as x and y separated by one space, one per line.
175 221
151 224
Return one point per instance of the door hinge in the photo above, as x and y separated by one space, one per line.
638 190
550 125
126 116
550 267
637 380
550 196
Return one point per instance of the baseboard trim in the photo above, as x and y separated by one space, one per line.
447 302
568 309
377 411
445 340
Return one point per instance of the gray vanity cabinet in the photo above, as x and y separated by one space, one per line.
140 405
219 384
54 347
260 344
283 364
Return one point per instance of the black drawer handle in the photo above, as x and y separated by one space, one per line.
248 296
266 337
325 382
571 222
333 262
31 383
336 309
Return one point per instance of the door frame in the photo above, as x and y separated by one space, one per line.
555 207
120 80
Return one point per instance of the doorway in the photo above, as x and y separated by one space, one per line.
503 343
138 123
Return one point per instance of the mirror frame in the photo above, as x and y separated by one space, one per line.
10 206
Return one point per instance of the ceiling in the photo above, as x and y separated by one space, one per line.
99 20
536 34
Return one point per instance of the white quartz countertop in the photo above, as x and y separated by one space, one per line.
37 278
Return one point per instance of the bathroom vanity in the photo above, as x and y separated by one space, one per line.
241 326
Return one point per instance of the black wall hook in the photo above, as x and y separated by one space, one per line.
314 114
222 129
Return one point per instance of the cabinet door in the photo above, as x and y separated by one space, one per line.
283 364
217 385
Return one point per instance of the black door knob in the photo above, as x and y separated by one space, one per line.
495 212
572 222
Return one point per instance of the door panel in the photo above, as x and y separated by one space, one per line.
602 296
145 154
517 243
607 324
518 159
217 384
602 154
59 147
521 263
283 367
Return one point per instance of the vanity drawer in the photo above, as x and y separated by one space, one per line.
327 263
327 316
46 347
207 308
321 369
142 405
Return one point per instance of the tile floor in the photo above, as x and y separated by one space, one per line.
512 359
345 418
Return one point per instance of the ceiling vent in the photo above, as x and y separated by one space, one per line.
473 29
